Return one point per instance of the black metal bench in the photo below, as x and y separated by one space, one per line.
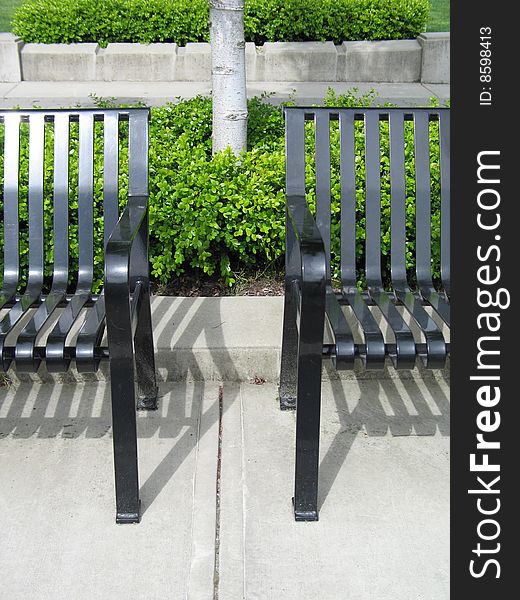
313 299
32 300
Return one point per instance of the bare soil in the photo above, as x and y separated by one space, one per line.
189 286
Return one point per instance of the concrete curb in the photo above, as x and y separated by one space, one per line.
435 66
396 61
234 338
10 59
425 59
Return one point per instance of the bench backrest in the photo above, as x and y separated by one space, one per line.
377 154
43 198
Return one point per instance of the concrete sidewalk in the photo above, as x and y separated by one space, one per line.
383 532
27 94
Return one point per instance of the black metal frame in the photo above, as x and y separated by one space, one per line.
124 303
310 300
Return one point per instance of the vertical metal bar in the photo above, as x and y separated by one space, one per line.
295 152
422 199
138 186
86 201
322 162
110 172
295 185
138 153
373 200
35 200
444 140
397 199
348 198
294 181
61 201
11 191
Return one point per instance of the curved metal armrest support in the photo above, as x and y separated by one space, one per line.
310 246
119 246
303 223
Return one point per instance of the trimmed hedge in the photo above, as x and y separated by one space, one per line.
333 20
104 21
182 21
217 216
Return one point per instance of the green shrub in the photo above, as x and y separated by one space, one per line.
333 20
182 21
217 216
104 21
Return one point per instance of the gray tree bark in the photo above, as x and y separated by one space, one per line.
228 73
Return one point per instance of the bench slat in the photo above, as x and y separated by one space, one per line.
398 200
348 199
90 336
422 201
444 135
295 155
374 357
372 201
110 173
85 202
57 359
345 347
11 190
322 158
138 154
61 202
35 202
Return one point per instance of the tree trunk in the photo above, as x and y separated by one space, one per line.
228 71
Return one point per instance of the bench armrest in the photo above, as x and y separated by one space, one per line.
303 223
128 224
310 244
121 240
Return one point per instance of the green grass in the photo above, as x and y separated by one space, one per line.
6 12
439 16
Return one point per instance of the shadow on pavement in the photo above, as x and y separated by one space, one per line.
426 413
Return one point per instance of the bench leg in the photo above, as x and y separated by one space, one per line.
124 428
308 407
124 420
144 358
307 438
289 364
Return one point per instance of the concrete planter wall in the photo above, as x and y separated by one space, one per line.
425 59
